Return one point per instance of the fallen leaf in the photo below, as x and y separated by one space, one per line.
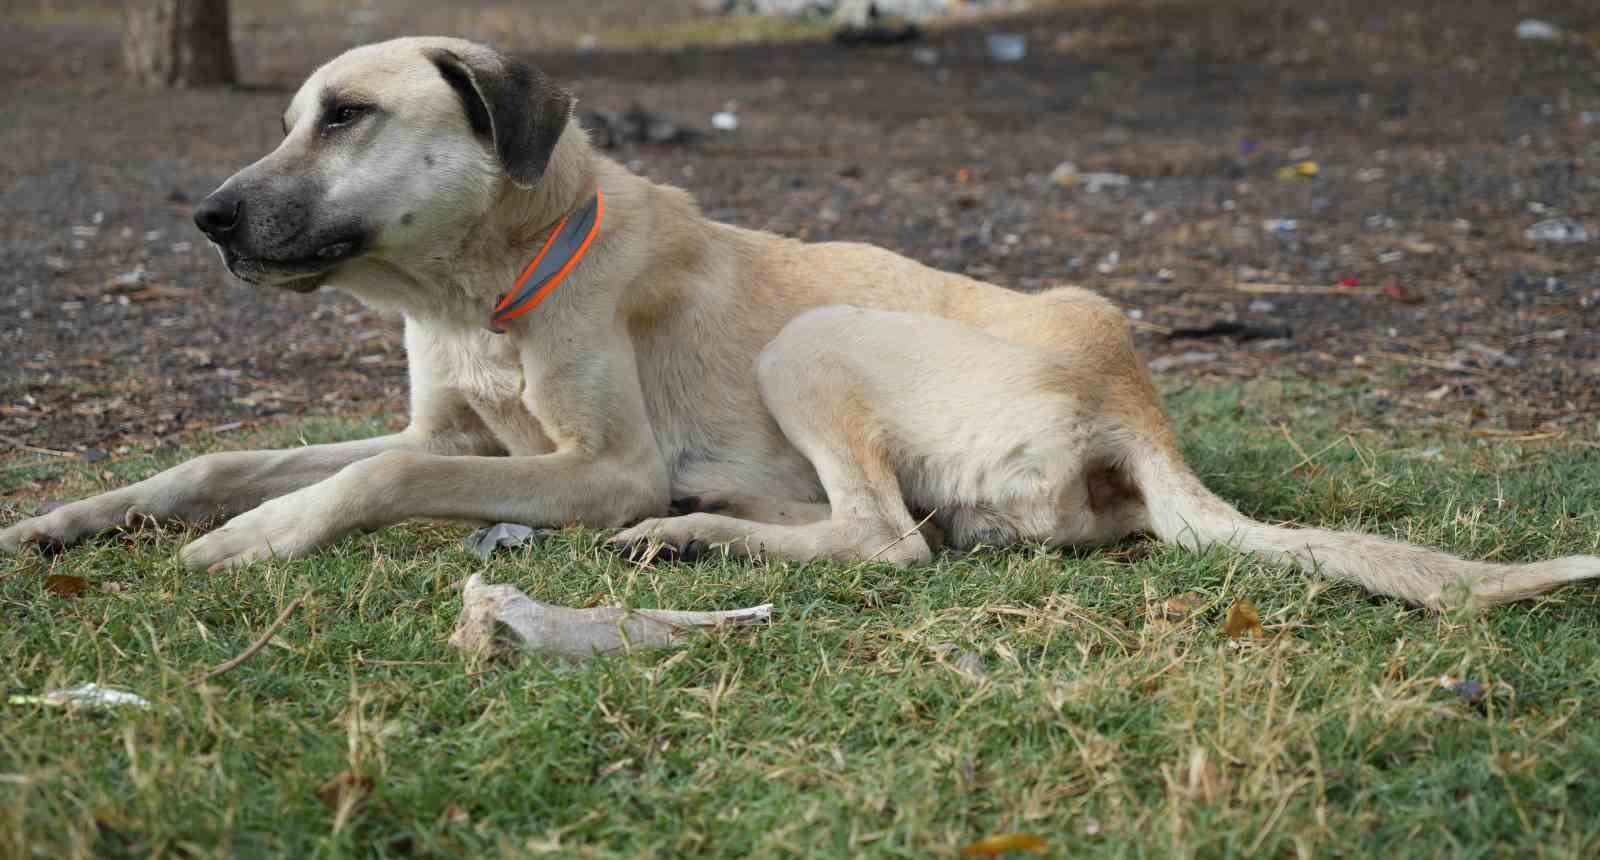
63 585
994 846
454 814
1202 780
345 791
1243 620
1175 608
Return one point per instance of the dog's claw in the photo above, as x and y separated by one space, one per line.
658 540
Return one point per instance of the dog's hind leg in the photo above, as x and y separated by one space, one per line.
900 412
820 392
742 506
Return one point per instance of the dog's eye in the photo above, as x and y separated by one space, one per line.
344 115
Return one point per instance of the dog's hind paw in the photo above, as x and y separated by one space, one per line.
657 540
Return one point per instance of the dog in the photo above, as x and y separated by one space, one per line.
702 385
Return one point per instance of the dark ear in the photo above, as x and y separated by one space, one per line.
519 110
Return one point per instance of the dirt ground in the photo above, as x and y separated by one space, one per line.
1438 137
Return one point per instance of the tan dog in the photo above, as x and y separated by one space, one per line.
811 401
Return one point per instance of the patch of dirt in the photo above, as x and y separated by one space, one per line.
1438 138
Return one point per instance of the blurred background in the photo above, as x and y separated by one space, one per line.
1396 193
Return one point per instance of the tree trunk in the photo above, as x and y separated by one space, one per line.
178 43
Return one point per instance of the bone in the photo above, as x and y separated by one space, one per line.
577 634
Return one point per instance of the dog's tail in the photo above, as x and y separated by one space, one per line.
1181 510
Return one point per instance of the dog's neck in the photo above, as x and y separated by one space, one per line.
438 288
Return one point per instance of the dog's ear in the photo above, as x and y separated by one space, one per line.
517 108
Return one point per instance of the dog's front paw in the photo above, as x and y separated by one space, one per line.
68 524
288 527
668 539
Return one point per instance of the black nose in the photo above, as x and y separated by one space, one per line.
219 214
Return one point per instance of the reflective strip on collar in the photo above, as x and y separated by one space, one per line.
567 244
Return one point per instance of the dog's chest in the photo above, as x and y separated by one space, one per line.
486 371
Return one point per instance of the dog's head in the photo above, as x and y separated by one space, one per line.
390 149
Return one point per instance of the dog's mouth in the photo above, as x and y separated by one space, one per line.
301 274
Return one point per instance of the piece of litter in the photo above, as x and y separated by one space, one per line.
1299 170
1066 174
1535 30
1495 357
83 695
1183 359
483 542
995 846
969 665
1280 225
1006 47
1468 689
724 120
1094 182
1262 306
1558 230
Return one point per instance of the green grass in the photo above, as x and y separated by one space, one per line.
842 729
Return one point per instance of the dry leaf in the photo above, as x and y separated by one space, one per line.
454 814
1005 843
62 585
1202 780
1243 620
1174 608
345 791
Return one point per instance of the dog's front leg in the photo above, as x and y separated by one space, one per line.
553 489
605 471
212 485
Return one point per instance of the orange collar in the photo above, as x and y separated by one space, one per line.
567 244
